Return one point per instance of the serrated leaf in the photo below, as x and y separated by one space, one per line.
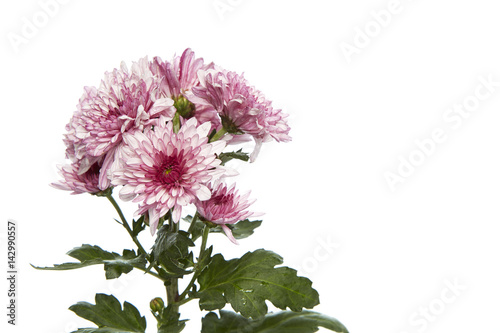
241 229
226 157
174 243
169 321
281 322
88 252
246 284
171 251
123 264
172 327
108 315
114 264
229 322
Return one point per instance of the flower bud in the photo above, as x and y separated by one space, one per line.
183 106
156 304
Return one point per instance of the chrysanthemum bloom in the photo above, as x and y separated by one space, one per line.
242 108
166 170
179 77
125 102
87 182
225 207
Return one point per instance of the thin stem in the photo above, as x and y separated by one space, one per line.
218 135
150 273
193 221
172 285
134 238
206 231
176 122
127 226
184 301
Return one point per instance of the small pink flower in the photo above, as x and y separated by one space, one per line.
88 182
242 108
225 207
165 170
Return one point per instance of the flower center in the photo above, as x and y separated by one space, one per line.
170 171
220 200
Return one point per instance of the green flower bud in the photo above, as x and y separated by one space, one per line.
156 304
183 106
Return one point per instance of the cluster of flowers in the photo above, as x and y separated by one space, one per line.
157 130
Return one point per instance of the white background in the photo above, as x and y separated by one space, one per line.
392 251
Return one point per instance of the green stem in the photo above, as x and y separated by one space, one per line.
150 273
173 294
218 135
176 122
193 221
127 226
134 238
172 285
184 301
206 231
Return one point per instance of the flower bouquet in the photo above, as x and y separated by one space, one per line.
161 135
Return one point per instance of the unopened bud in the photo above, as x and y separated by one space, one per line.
156 304
184 107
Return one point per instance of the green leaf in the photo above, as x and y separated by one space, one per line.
229 322
196 228
114 264
138 226
226 157
246 284
203 262
169 321
240 230
171 251
100 330
88 252
205 259
281 322
108 315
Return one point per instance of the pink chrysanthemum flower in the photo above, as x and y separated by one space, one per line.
225 207
125 102
88 182
165 170
179 77
242 108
